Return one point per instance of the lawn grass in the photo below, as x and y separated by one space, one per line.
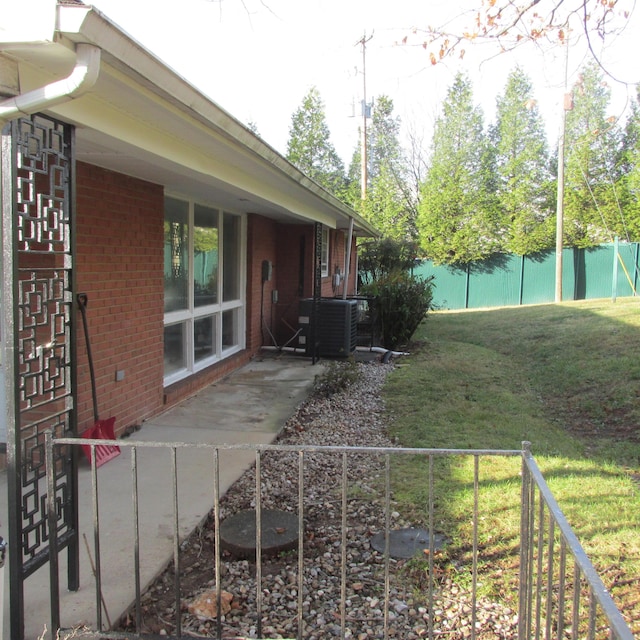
564 377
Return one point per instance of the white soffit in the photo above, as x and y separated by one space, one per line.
144 120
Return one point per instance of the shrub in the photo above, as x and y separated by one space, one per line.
401 300
380 258
337 376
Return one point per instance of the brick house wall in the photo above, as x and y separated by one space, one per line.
295 264
337 255
119 265
295 273
119 240
262 240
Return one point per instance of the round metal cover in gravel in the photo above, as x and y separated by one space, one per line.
279 532
406 543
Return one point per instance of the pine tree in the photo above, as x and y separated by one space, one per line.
309 147
591 212
628 171
389 204
525 188
457 216
353 191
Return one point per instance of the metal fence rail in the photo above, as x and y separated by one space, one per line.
561 594
548 603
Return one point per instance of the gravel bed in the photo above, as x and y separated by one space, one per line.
352 417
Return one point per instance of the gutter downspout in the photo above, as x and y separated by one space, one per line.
80 80
347 260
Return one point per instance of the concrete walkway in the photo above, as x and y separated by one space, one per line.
250 406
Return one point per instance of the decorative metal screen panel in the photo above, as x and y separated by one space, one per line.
38 294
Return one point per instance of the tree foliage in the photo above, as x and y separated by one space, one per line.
524 184
591 212
628 169
401 301
390 203
384 144
496 192
487 191
457 217
309 147
380 258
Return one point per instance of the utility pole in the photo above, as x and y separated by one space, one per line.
566 106
363 142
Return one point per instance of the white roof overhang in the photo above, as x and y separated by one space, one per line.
143 119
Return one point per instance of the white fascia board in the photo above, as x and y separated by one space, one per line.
199 151
151 79
99 29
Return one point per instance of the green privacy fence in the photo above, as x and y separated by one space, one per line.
609 270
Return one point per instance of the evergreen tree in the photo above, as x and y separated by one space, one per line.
389 204
309 147
383 144
385 206
629 174
353 191
591 211
524 185
457 216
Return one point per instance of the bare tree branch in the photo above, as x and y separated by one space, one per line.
511 23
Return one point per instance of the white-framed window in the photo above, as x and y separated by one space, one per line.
203 286
324 253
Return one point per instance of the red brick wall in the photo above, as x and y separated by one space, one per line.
190 386
119 265
119 261
337 242
262 239
292 241
351 286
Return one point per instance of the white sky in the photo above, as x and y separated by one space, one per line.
258 58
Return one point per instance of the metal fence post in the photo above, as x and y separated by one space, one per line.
614 277
3 555
52 514
524 595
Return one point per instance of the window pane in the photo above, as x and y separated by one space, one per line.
229 328
204 337
231 258
205 257
176 247
174 348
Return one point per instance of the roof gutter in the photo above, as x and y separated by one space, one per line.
80 80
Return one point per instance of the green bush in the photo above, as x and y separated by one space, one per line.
401 300
377 259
